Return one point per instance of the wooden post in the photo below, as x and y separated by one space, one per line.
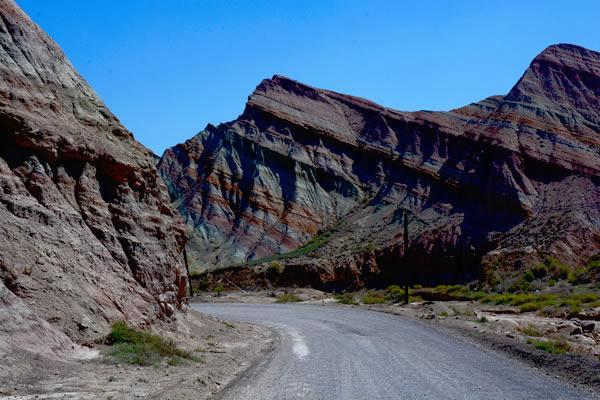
405 257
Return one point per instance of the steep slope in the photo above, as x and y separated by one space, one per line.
502 182
88 236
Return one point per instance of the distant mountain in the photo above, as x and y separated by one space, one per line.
490 188
88 235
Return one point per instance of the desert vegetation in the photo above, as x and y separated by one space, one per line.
551 346
570 300
287 298
131 346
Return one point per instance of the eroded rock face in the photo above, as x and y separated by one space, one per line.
507 179
88 235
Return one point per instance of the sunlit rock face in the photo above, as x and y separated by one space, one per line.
88 234
505 180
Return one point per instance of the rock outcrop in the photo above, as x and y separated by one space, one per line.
88 235
498 184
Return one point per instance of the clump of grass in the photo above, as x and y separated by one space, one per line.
346 298
530 330
136 347
174 361
551 346
483 320
373 297
288 298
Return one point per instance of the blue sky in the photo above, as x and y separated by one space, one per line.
167 68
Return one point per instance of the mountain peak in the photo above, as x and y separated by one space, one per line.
284 86
564 78
566 49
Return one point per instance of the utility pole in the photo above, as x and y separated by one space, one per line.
405 257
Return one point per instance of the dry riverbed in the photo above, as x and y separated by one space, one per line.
567 348
221 351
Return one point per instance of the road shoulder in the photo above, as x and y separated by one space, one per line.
223 350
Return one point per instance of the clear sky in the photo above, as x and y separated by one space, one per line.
167 68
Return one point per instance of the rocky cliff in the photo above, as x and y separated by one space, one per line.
498 184
88 235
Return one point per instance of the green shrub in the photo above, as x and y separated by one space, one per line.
594 304
132 346
594 263
585 297
528 276
346 298
288 298
519 299
521 285
573 305
579 276
394 293
550 346
539 270
373 297
559 270
219 289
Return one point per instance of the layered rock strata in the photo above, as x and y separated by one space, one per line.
501 183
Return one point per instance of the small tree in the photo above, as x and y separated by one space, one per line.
219 289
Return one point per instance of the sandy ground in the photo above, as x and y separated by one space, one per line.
224 351
500 328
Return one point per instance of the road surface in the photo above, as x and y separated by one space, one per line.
329 353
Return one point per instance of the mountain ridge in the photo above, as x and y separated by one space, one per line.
300 159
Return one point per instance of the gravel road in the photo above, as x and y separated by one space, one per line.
343 353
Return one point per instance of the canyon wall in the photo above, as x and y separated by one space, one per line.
88 234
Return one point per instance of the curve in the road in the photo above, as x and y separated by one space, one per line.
331 353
